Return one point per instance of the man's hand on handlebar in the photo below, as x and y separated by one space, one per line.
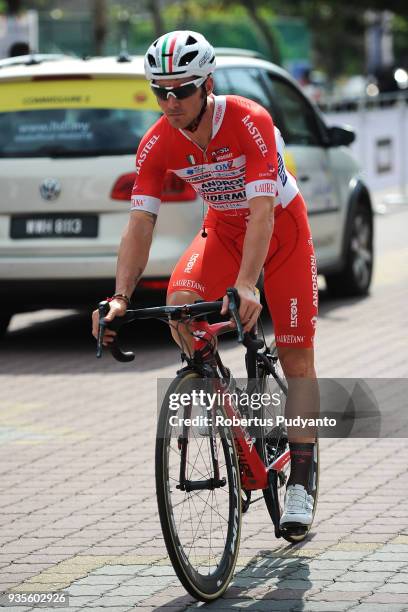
117 308
249 306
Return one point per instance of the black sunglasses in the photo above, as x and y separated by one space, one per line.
181 93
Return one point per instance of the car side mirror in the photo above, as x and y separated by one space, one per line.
340 136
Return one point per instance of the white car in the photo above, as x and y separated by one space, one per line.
69 130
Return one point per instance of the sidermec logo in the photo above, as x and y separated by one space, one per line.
191 262
141 158
256 135
293 312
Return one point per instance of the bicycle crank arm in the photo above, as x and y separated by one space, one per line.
201 485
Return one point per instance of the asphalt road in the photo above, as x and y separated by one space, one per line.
76 467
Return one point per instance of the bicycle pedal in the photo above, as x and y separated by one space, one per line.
294 529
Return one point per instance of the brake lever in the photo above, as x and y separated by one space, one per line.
116 324
103 309
233 306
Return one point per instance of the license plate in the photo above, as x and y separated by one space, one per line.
54 226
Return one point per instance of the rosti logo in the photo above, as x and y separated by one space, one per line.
256 135
293 312
191 262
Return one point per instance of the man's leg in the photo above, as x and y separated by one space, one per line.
180 332
302 401
204 272
292 296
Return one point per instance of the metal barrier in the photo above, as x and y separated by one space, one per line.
381 145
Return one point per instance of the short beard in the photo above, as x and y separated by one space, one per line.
193 125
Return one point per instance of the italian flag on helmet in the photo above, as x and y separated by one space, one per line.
179 54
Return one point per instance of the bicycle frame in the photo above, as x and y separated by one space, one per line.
254 473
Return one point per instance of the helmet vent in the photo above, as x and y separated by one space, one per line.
188 58
191 41
151 60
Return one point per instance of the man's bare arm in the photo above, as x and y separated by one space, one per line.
134 251
132 259
257 239
256 244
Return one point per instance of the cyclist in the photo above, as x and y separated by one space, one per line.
228 149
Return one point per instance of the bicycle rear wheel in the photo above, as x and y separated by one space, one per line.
272 442
201 527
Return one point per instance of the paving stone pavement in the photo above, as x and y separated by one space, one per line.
78 508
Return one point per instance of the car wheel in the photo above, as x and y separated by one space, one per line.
5 318
355 278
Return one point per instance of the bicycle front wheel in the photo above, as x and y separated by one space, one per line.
198 493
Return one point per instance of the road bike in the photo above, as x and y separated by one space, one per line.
216 444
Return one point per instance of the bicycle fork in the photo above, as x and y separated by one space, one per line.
198 485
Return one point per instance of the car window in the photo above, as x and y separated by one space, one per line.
247 82
299 124
221 84
99 131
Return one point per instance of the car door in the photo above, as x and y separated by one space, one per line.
311 163
305 155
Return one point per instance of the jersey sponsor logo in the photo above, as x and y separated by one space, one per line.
256 135
290 339
137 201
220 151
239 196
313 321
281 169
189 284
313 269
218 114
265 188
231 206
192 171
223 185
293 312
141 158
191 262
224 166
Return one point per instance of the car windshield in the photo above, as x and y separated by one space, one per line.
73 132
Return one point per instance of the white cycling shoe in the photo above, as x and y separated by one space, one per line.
298 507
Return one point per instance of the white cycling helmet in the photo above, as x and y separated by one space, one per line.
179 54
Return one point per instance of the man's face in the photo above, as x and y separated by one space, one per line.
181 113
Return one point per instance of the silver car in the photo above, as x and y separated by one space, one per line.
69 130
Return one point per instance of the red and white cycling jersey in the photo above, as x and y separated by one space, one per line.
243 160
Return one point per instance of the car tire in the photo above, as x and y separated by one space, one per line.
5 318
355 278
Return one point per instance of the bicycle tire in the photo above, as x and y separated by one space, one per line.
203 581
272 444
